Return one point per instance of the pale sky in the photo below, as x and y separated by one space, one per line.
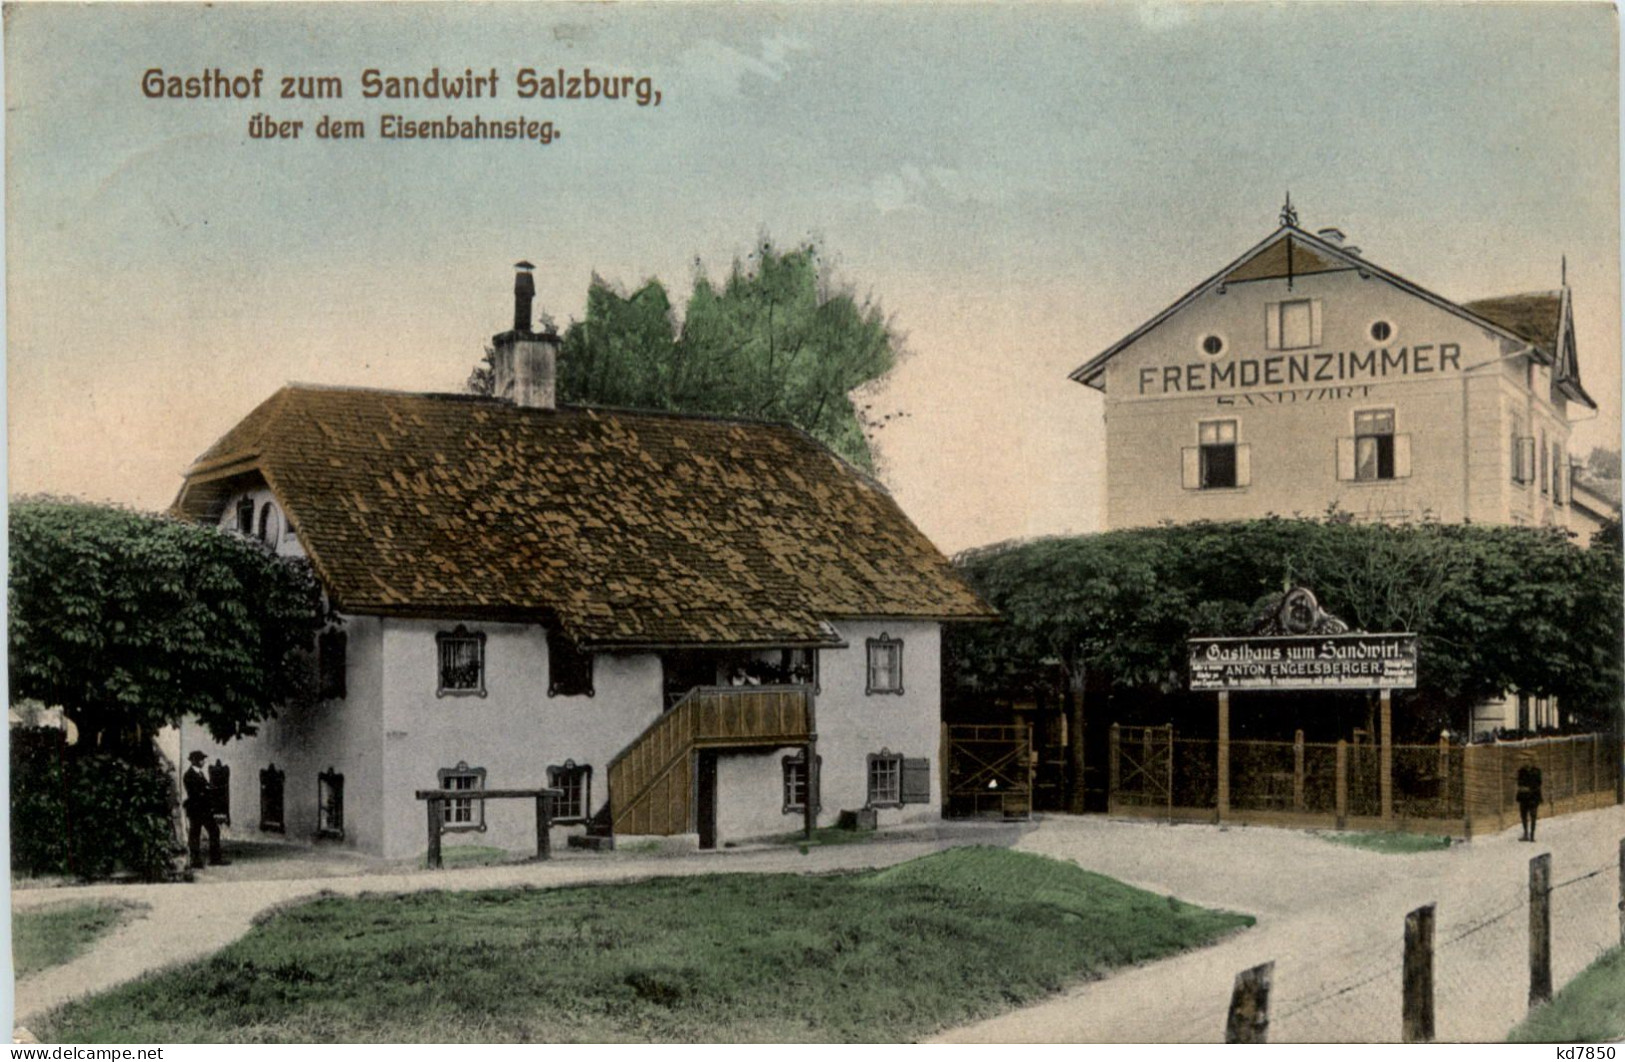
1019 187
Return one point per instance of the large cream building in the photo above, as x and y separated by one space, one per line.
1302 377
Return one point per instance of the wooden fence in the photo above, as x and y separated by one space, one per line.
1438 788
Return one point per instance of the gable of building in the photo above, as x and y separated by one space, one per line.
623 529
1292 255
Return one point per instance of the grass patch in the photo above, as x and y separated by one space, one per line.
889 955
1589 1009
1391 843
824 836
55 935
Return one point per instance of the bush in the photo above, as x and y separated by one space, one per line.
85 816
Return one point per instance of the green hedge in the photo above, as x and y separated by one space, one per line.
85 816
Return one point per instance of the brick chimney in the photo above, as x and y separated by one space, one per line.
526 362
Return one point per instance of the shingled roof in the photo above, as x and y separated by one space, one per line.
1534 317
622 528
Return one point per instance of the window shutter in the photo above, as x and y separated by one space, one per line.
1314 323
1345 457
1402 456
917 781
1244 464
1272 325
1192 456
1526 459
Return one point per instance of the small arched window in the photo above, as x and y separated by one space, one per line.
268 524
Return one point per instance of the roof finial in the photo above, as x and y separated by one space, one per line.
1289 216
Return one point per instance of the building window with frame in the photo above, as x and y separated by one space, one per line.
1218 461
272 782
332 664
1293 324
462 662
569 668
1374 444
885 779
269 529
330 804
462 813
795 783
245 515
885 665
574 782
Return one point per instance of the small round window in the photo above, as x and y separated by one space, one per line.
1212 346
1381 331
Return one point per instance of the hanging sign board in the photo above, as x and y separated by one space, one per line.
1305 662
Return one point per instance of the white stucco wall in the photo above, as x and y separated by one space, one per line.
851 724
516 731
344 735
1457 412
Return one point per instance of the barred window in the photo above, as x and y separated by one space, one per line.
575 783
462 814
462 662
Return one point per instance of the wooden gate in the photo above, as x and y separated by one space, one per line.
1142 766
990 770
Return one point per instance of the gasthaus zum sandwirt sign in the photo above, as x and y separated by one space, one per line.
1321 662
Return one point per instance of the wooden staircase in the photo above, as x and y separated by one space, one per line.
651 781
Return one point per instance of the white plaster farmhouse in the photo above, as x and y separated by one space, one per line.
660 615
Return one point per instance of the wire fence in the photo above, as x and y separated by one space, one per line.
1480 969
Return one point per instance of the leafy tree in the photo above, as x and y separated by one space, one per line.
1494 608
1603 463
779 339
130 622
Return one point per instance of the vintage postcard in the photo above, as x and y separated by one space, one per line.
691 522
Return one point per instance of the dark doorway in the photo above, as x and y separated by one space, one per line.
705 802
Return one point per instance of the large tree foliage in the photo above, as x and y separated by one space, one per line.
130 621
779 339
1495 608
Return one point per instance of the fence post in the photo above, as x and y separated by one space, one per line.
1112 776
1223 810
1249 1020
1342 783
434 833
1416 1007
1387 756
544 826
1170 774
1622 890
1297 771
1540 929
1469 760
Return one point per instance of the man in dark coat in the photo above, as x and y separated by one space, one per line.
1528 798
199 805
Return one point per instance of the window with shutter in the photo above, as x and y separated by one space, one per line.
1217 455
1292 325
917 781
885 779
1374 444
569 669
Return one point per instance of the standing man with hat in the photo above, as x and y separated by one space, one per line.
199 805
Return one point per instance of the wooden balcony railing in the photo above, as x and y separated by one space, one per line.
651 781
